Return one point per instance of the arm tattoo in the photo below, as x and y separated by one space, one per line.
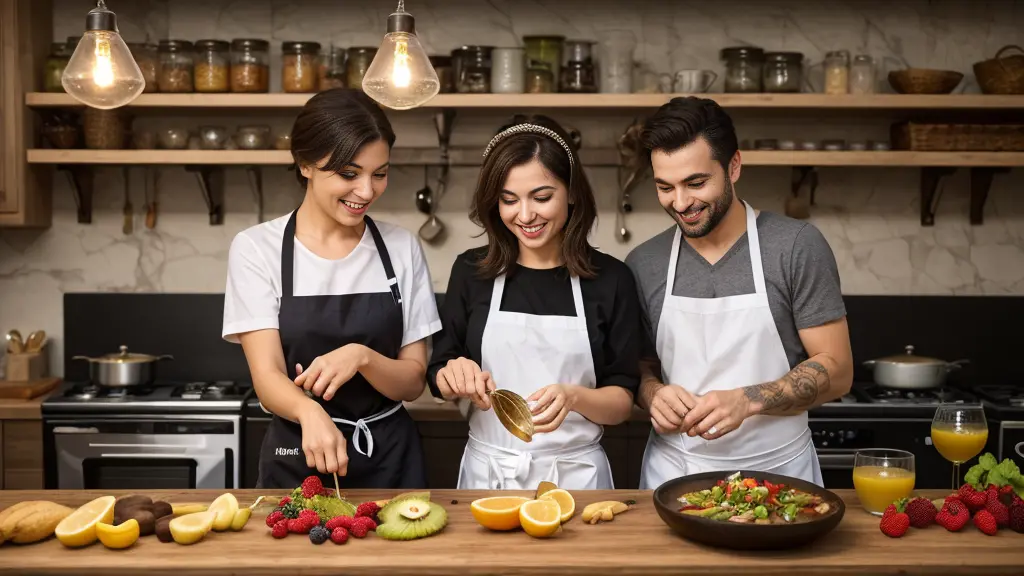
795 392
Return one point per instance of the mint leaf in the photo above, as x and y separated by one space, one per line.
974 476
1009 470
996 477
987 461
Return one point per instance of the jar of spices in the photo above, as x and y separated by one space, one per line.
299 66
56 62
443 68
508 71
578 77
359 60
539 79
146 58
862 75
104 129
175 74
783 71
213 64
837 72
743 68
474 70
250 65
332 69
579 51
546 49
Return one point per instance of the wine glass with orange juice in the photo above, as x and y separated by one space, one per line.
881 476
959 433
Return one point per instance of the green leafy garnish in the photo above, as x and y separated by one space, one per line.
989 471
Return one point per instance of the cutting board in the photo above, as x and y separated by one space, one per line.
27 390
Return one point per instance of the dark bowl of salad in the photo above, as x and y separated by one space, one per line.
748 510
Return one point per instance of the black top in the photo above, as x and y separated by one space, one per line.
610 303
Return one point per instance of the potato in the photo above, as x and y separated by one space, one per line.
7 512
161 509
163 528
39 523
146 520
125 507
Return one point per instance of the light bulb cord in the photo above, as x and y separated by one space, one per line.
401 7
101 4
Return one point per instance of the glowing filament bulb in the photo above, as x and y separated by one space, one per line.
103 70
401 75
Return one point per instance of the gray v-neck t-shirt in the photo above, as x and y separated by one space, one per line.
800 273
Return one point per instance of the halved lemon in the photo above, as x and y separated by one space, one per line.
498 512
225 507
121 536
79 528
540 518
191 528
566 503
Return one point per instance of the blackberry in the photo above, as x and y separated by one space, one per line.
319 535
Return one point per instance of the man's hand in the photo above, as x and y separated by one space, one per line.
669 407
717 413
327 373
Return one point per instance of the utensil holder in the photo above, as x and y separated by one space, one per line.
27 366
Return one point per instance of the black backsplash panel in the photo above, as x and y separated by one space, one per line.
985 329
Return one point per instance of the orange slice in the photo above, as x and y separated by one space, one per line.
498 512
540 518
79 528
117 537
566 503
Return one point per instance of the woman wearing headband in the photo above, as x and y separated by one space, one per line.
540 312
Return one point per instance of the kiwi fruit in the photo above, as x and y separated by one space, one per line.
146 520
161 509
125 508
409 518
163 528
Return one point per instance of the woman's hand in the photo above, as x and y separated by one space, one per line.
554 403
462 378
327 373
322 441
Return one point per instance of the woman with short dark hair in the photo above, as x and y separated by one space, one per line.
332 310
540 312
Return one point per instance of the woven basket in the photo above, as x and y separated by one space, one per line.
1002 74
924 81
958 137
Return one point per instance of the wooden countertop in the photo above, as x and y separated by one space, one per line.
636 542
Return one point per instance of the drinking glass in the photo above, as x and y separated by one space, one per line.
959 433
881 476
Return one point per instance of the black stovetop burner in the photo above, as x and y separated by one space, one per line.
221 390
1012 396
72 398
881 395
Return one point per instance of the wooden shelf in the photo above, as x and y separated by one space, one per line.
628 101
471 157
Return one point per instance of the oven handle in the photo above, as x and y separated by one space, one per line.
836 461
175 447
1019 449
75 430
156 456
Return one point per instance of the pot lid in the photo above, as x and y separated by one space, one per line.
125 357
908 357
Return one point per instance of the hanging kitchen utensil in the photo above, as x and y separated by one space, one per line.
151 201
127 226
34 341
122 369
632 164
424 196
15 344
911 372
433 229
513 412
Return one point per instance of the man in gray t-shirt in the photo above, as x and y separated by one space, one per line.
744 312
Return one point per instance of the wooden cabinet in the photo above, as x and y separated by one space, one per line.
21 454
25 190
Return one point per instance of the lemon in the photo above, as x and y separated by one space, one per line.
121 536
79 528
191 528
566 503
225 507
540 518
498 512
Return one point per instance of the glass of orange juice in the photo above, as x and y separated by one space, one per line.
881 476
959 433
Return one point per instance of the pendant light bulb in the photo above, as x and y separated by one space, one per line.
102 72
401 75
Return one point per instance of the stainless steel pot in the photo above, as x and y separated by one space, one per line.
121 369
911 372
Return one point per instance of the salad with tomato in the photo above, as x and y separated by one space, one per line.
747 501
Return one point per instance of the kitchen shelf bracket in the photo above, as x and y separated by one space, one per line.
256 184
931 177
981 183
211 184
80 178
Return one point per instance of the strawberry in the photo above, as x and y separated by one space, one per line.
299 526
312 486
274 517
953 516
280 529
921 512
368 509
997 509
895 522
365 521
284 501
972 498
339 522
1017 516
986 522
339 535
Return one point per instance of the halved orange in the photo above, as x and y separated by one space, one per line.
498 512
540 518
79 528
566 503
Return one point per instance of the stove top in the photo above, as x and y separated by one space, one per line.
1010 396
880 396
179 397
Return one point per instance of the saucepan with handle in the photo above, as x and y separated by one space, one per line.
123 368
909 371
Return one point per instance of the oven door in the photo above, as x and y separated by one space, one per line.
1011 442
146 453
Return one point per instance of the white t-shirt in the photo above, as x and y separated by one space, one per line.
253 295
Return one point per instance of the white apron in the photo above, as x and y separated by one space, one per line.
524 353
725 343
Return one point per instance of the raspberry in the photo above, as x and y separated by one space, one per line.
274 517
999 511
338 522
310 516
284 501
298 526
280 529
368 509
318 535
312 486
339 535
368 522
1006 490
1017 516
986 522
359 530
922 512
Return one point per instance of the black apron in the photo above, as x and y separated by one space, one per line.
383 453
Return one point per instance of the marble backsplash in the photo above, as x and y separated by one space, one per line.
869 215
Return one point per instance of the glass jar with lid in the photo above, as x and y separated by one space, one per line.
783 71
539 79
175 72
213 65
359 60
578 77
862 75
508 70
148 60
250 65
837 72
474 70
300 66
332 68
743 68
546 49
56 62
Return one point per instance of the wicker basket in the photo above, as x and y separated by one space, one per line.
958 137
924 81
1002 74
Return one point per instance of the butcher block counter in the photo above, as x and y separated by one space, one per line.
635 542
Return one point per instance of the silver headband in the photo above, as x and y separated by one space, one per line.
530 128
